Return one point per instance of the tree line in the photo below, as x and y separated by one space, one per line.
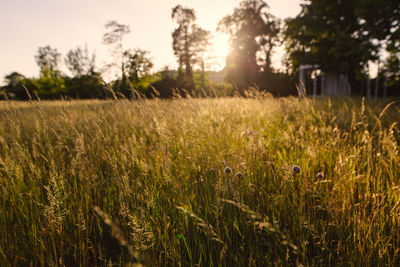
340 36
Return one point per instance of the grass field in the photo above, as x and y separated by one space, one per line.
200 182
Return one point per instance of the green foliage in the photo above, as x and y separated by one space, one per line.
137 64
381 20
46 86
392 68
50 87
86 82
166 86
278 84
126 88
146 181
341 36
169 86
329 33
85 87
391 71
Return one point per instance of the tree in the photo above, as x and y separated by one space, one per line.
328 33
85 86
79 62
137 64
50 84
48 60
269 39
391 73
254 32
113 38
392 67
381 20
13 88
201 40
13 78
137 77
189 40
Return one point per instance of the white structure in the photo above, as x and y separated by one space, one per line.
302 79
332 84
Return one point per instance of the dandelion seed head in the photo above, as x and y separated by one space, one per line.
239 175
319 176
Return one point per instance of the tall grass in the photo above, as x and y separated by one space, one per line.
100 183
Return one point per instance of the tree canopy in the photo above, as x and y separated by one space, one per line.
189 41
48 59
79 62
329 33
113 38
254 32
137 64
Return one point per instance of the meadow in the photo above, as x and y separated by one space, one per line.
200 182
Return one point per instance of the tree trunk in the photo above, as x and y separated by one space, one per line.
385 88
376 83
203 79
368 88
188 67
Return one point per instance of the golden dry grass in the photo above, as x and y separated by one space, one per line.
118 182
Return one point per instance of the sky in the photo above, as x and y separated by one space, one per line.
66 24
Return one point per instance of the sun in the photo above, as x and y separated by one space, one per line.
219 50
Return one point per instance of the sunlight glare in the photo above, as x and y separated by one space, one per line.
219 50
